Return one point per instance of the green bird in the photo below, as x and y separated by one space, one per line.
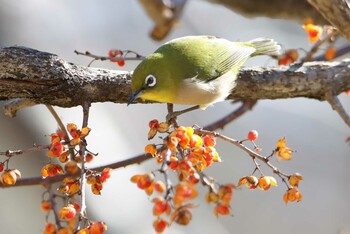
195 70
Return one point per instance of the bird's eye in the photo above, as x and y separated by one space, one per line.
150 81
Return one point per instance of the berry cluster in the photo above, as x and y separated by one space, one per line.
64 149
187 152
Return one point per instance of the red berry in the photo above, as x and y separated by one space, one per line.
153 124
252 135
1 167
113 53
209 140
121 63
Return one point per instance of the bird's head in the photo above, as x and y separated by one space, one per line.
151 80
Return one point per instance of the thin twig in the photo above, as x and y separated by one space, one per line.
250 152
62 127
10 153
247 105
338 107
317 45
103 58
53 204
86 108
58 178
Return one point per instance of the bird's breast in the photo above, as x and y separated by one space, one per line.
193 91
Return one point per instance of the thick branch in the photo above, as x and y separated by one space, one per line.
288 9
47 79
337 12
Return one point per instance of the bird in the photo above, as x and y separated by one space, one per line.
195 70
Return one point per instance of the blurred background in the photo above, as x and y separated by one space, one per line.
311 127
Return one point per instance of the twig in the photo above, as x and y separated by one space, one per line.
49 180
250 152
86 108
317 45
103 58
62 127
10 153
53 204
340 52
338 107
247 105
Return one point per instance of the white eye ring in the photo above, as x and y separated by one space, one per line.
150 81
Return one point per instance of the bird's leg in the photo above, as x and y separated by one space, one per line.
172 115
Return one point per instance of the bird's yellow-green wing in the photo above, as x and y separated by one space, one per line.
210 56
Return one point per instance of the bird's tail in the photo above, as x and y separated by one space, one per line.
264 46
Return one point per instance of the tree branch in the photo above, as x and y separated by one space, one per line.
288 9
337 12
49 180
45 78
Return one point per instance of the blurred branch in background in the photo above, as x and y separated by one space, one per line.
166 13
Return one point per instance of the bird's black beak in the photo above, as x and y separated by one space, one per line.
135 95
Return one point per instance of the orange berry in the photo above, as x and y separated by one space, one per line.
159 225
185 166
145 181
73 130
173 162
183 138
67 212
76 206
292 195
212 197
314 31
183 193
250 181
71 167
89 157
105 175
151 149
64 157
282 151
83 231
65 231
193 178
222 209
50 228
56 149
252 135
225 193
46 205
159 186
195 141
51 169
73 187
330 53
97 228
96 188
160 206
294 179
265 182
209 140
